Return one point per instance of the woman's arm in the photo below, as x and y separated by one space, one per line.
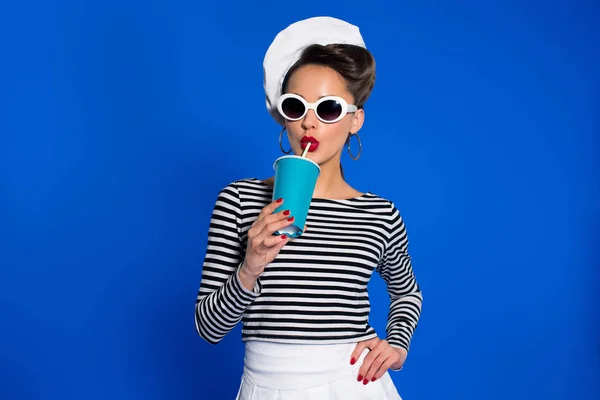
405 307
222 298
405 294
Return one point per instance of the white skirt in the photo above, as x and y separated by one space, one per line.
275 371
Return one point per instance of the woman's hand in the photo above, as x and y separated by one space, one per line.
263 247
381 357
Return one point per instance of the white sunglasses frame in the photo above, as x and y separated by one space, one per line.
346 108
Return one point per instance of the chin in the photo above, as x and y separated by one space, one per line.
319 155
320 159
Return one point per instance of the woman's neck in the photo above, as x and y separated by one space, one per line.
330 183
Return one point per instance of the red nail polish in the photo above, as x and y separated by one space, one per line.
284 236
360 378
365 382
352 361
373 380
286 212
279 200
290 219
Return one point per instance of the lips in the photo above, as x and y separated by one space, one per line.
314 143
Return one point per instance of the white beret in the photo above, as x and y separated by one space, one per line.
288 45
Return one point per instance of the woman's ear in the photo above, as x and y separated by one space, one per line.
358 120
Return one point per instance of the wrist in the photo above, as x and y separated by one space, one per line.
247 272
397 366
247 278
401 350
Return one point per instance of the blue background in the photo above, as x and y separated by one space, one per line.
120 121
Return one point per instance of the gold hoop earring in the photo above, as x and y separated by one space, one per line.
359 146
281 142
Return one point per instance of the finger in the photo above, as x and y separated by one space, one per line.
358 349
388 357
275 241
260 222
269 208
271 243
375 366
270 228
387 364
366 364
263 231
365 368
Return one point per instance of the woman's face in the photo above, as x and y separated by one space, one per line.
312 83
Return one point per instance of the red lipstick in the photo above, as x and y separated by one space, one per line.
314 143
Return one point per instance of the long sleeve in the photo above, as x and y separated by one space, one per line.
222 299
396 270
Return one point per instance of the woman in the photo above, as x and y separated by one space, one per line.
304 301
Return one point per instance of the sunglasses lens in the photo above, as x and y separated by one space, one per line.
329 110
292 108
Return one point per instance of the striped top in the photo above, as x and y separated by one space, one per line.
315 291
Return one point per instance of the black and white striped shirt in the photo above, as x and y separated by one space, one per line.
315 291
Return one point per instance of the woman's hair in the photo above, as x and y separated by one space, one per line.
355 64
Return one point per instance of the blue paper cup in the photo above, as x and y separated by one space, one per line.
295 180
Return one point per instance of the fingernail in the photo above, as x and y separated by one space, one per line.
360 378
286 212
365 382
352 361
279 200
373 380
290 219
284 236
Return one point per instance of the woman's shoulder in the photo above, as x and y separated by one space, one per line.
385 205
249 186
251 182
378 198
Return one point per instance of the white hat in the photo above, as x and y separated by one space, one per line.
288 45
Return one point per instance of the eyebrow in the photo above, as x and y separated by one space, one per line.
320 97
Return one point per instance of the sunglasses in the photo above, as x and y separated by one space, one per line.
328 109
